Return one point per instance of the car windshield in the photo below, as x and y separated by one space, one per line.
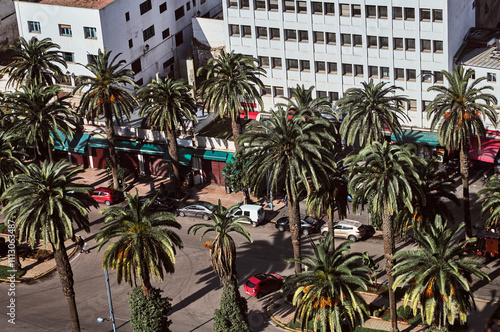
250 284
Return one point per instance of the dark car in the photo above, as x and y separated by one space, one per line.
161 203
198 209
107 196
308 224
263 283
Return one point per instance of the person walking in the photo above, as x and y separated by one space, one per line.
81 244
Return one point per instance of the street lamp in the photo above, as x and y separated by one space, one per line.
111 314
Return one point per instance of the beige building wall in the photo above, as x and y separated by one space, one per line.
488 13
8 24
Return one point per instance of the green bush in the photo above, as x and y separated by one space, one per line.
378 312
232 314
149 314
404 312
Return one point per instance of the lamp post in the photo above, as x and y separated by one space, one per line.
111 313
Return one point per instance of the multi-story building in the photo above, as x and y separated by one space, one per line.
153 36
337 44
8 24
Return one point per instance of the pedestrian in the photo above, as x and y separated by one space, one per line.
286 200
81 244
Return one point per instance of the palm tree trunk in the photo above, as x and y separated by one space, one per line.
389 250
66 276
174 158
464 174
110 135
146 285
330 229
294 219
49 153
236 127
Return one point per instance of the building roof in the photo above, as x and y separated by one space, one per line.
484 57
92 4
480 48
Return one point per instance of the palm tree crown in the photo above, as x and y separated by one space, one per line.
10 165
302 98
490 200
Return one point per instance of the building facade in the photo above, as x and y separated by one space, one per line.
8 24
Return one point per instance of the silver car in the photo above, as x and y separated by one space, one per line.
348 229
198 209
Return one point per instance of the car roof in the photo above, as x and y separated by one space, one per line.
250 207
348 222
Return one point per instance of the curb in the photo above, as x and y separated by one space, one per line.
274 320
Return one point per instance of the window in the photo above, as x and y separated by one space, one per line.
232 3
438 46
305 65
163 7
136 66
130 43
148 33
491 77
275 33
246 31
319 36
358 70
398 44
34 26
278 91
438 77
344 10
383 42
425 45
139 82
290 35
371 11
267 90
188 6
165 33
179 12
301 7
334 96
399 74
372 41
261 32
303 36
425 104
127 16
65 30
373 71
346 69
320 94
356 10
320 66
289 5
179 38
68 56
397 13
425 15
357 40
410 44
317 7
276 63
382 12
426 76
332 67
346 39
292 64
273 5
89 33
145 6
412 105
411 75
329 8
91 58
409 13
234 30
437 15
331 38
260 4
264 61
384 72
245 4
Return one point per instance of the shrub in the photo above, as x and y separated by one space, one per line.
404 312
149 314
378 312
232 314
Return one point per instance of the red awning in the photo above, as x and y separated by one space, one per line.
489 150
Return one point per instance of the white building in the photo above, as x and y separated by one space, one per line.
337 44
154 36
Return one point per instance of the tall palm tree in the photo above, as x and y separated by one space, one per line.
10 165
144 248
168 104
458 112
40 116
439 274
490 200
34 62
326 293
370 111
302 98
45 203
386 176
231 86
294 147
106 95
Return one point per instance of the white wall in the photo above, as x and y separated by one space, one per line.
461 17
8 24
209 32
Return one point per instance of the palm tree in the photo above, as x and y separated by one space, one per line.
386 177
458 112
326 293
45 202
231 86
370 111
40 116
168 104
143 247
490 200
107 96
294 147
10 165
439 273
35 62
302 98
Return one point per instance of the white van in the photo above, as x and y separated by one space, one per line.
256 213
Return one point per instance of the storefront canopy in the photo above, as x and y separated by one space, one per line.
489 150
416 137
211 154
128 146
77 144
185 155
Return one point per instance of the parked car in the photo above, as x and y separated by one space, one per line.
256 214
161 203
107 196
348 229
308 224
263 283
199 209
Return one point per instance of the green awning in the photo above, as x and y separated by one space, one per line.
128 146
152 149
79 143
185 156
417 137
57 144
211 154
230 158
96 142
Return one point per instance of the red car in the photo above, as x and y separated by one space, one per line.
107 196
263 283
